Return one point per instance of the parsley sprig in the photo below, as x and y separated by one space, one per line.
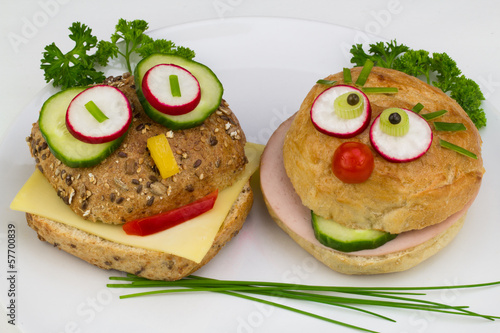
448 77
132 34
78 66
381 54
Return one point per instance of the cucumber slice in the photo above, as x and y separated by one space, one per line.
341 238
211 91
65 147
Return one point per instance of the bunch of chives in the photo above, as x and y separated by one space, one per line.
392 297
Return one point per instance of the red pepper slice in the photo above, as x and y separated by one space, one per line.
163 221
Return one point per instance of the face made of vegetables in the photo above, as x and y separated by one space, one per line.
84 125
398 135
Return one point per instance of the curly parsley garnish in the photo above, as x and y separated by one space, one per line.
449 77
78 66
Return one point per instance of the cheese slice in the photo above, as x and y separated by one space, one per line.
191 239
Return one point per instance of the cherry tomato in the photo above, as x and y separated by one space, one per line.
352 162
156 223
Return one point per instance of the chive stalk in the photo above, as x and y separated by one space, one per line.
451 127
458 149
174 85
278 305
326 82
347 75
363 76
432 115
94 110
417 108
379 90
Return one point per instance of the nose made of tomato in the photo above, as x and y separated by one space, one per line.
352 162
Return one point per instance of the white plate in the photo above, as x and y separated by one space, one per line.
267 66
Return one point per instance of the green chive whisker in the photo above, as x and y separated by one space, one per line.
434 306
298 311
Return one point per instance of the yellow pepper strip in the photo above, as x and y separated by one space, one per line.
162 155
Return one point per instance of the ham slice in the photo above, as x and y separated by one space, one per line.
286 204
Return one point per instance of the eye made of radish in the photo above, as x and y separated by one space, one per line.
400 135
341 111
99 114
171 89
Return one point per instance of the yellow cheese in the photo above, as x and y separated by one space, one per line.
191 239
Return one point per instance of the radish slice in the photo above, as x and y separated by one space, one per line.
327 121
171 89
99 114
406 148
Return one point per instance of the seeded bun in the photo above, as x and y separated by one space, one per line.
127 185
145 263
397 197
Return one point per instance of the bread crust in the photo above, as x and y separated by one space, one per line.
397 197
360 265
149 264
127 185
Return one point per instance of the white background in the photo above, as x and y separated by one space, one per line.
467 30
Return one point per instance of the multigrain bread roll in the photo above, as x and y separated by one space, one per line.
127 186
423 202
